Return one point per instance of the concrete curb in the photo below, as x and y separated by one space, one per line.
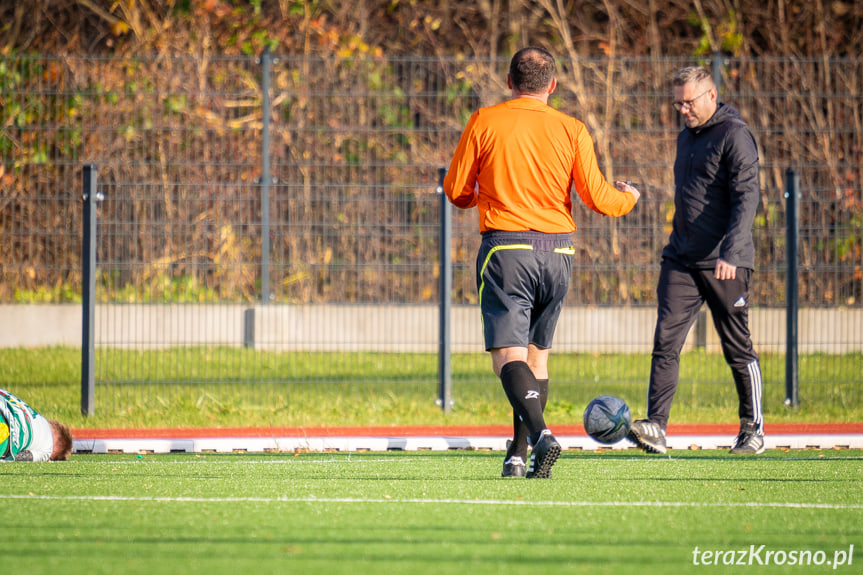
359 443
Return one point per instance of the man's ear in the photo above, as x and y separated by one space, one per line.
553 86
508 82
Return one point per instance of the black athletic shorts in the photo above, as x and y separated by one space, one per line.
522 280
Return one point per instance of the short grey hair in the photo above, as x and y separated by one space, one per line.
693 74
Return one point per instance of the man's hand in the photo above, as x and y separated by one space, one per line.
25 455
724 270
626 187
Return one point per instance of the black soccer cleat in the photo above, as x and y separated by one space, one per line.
543 456
514 467
749 440
648 435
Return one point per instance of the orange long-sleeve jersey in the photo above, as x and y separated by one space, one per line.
517 162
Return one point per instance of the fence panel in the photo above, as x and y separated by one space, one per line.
354 150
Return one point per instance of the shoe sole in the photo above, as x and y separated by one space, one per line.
521 473
648 447
544 466
758 451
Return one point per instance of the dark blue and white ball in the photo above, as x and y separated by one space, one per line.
607 419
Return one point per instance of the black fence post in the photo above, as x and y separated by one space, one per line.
444 351
266 62
88 291
716 66
792 232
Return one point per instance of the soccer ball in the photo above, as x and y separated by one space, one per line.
607 419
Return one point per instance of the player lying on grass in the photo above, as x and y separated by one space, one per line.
25 435
518 162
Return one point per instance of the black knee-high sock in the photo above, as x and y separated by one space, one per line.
519 434
522 390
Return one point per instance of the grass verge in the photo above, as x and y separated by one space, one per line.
228 387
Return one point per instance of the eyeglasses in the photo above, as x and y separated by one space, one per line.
688 103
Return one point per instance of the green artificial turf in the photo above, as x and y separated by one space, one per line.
430 512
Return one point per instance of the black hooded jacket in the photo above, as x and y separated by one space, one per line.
716 193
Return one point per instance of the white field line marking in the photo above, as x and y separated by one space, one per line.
315 458
150 458
312 499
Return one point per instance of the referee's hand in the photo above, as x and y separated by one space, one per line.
627 187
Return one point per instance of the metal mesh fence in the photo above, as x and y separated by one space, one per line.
258 207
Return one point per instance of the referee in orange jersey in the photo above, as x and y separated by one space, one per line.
517 162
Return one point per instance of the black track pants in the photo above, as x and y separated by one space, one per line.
680 294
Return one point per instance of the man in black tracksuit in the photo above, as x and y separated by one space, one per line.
709 258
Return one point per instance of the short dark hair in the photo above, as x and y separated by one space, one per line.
531 70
